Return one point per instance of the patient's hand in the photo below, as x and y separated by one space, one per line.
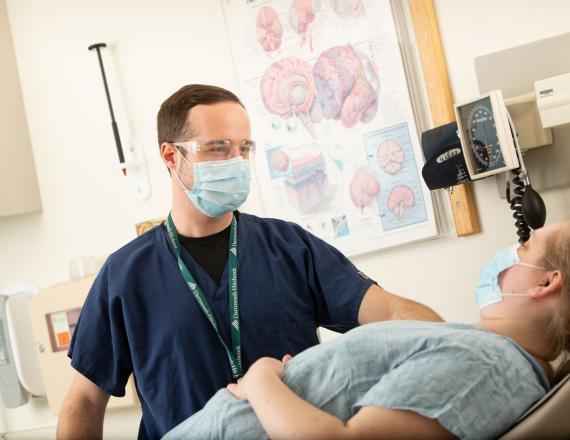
260 369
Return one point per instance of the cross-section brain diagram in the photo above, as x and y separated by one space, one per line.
302 14
268 29
347 9
347 85
288 89
390 156
401 197
364 187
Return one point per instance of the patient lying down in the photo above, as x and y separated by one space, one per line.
410 379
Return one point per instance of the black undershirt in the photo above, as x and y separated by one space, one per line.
210 252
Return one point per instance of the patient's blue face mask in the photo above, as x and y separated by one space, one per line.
219 186
488 291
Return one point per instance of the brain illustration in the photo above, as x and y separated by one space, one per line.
348 8
269 31
401 197
390 156
287 89
301 17
363 188
347 85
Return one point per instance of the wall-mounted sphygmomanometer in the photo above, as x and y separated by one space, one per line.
483 142
485 133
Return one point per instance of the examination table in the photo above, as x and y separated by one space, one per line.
549 418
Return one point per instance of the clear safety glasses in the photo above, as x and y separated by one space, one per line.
221 149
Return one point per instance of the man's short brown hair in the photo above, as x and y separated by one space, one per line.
171 119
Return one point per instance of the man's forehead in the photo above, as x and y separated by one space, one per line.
216 110
226 116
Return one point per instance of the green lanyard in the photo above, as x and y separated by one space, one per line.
234 354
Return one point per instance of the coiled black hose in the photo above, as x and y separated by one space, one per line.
523 229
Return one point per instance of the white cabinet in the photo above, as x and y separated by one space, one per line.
19 191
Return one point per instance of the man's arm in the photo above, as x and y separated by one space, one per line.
82 411
381 305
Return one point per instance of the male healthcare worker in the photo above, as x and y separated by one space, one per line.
188 306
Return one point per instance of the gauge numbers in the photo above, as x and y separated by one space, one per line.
481 132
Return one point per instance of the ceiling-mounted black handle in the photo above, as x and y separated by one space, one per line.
97 47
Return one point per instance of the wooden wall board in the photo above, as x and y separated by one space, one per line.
461 198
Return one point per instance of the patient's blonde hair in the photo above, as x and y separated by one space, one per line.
557 256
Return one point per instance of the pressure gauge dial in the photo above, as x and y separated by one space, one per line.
483 139
481 132
485 136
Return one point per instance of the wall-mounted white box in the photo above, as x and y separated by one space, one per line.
553 100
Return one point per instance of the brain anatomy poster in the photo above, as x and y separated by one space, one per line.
338 148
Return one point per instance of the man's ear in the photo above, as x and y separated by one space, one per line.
549 284
168 155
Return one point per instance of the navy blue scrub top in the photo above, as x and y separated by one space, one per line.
141 318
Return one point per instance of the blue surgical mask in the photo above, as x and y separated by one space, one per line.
219 186
488 291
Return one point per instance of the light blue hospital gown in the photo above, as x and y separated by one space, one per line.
474 382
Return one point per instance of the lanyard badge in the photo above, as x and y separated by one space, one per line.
234 355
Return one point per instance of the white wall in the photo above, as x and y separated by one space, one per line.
160 46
